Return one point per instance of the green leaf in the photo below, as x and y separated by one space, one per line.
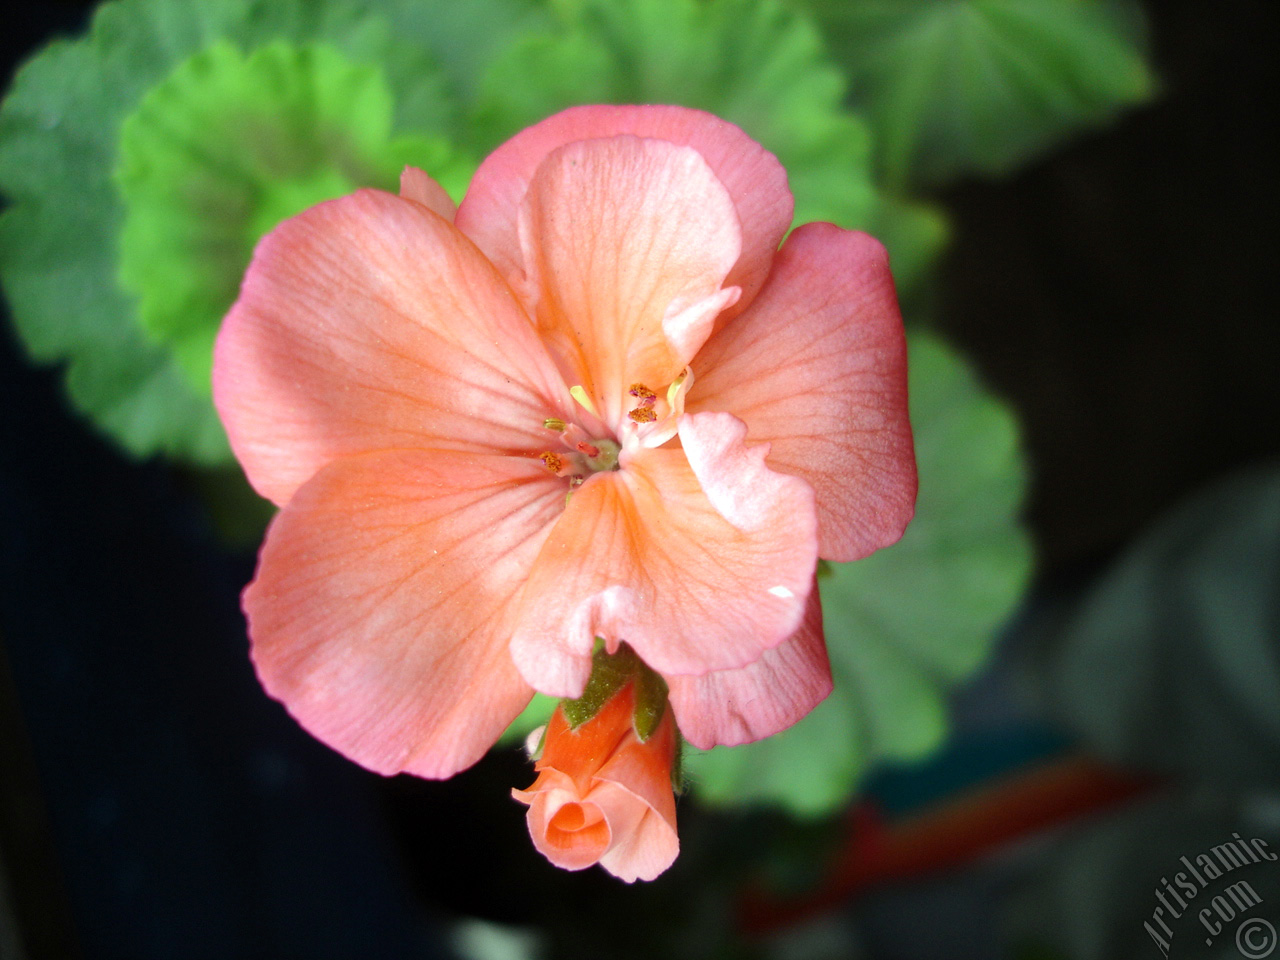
980 86
1172 663
225 148
533 716
754 63
60 127
908 623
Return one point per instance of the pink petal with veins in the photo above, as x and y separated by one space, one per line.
382 604
627 244
756 701
817 368
699 563
753 177
369 323
416 185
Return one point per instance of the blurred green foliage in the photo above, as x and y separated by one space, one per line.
61 128
1172 661
143 161
953 87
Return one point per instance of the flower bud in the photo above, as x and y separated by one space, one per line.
603 795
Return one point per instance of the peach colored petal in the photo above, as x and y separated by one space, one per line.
642 555
369 323
571 843
643 768
754 178
640 774
756 701
380 611
417 185
581 752
626 245
645 843
817 368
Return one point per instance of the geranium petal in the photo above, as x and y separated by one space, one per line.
417 185
645 842
580 752
754 178
627 243
730 707
369 323
644 768
381 607
567 849
643 555
817 368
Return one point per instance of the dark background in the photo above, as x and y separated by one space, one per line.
154 803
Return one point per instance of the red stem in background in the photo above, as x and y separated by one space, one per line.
951 834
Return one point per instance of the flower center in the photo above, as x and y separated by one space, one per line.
651 422
600 455
581 454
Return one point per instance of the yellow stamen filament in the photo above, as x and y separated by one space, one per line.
675 387
579 394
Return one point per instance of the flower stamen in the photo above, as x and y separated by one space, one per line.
644 396
583 398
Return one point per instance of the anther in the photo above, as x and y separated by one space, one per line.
554 423
552 461
643 415
643 394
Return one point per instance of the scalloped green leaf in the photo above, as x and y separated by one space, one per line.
908 623
753 62
981 86
225 148
59 134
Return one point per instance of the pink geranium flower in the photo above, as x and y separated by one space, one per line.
598 402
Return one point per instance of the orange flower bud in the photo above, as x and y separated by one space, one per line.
603 795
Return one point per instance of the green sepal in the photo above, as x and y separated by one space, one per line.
610 672
651 702
679 782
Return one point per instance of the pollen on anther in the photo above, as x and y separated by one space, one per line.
552 461
643 415
643 394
